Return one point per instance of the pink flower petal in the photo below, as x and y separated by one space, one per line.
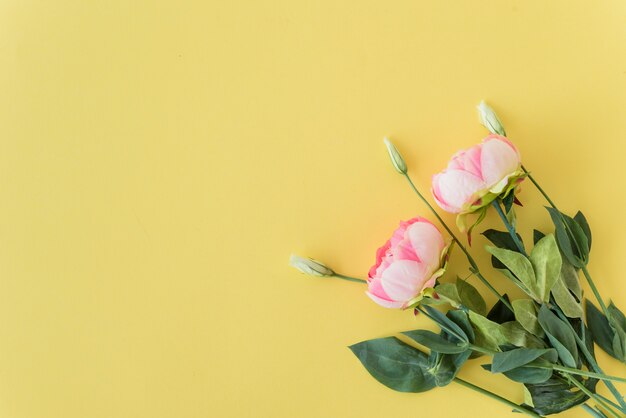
402 280
499 159
456 189
428 243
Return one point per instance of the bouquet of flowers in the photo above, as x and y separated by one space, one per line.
544 341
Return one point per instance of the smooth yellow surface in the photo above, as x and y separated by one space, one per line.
160 161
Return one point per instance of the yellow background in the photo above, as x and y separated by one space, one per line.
159 161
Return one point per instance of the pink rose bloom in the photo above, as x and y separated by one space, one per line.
471 174
407 264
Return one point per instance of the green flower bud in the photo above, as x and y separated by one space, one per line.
310 266
489 119
396 157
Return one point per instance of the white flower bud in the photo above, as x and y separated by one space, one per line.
310 266
489 119
396 157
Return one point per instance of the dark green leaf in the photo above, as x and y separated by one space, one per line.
526 374
554 395
537 235
395 364
560 335
582 221
500 313
445 323
448 365
461 319
507 202
600 328
436 342
570 237
509 360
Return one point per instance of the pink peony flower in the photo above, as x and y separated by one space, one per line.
407 264
476 176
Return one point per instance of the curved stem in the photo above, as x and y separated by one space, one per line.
509 227
594 413
594 289
585 272
470 259
592 361
348 278
592 396
579 372
498 398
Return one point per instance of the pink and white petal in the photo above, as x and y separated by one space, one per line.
468 160
402 279
404 250
499 159
457 188
437 196
385 303
427 242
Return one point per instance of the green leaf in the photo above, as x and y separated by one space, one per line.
526 315
507 202
546 261
488 333
560 335
500 313
501 239
447 366
395 364
470 297
537 235
462 320
616 317
509 360
435 342
582 221
520 266
617 320
569 275
518 336
448 294
555 395
600 328
446 323
525 374
570 237
566 301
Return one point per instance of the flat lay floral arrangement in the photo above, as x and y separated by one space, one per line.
543 342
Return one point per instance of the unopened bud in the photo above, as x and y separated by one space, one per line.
489 119
396 157
310 266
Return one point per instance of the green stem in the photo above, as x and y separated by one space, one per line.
610 402
592 396
594 289
592 361
461 246
594 413
579 372
498 398
509 227
482 350
348 278
585 272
